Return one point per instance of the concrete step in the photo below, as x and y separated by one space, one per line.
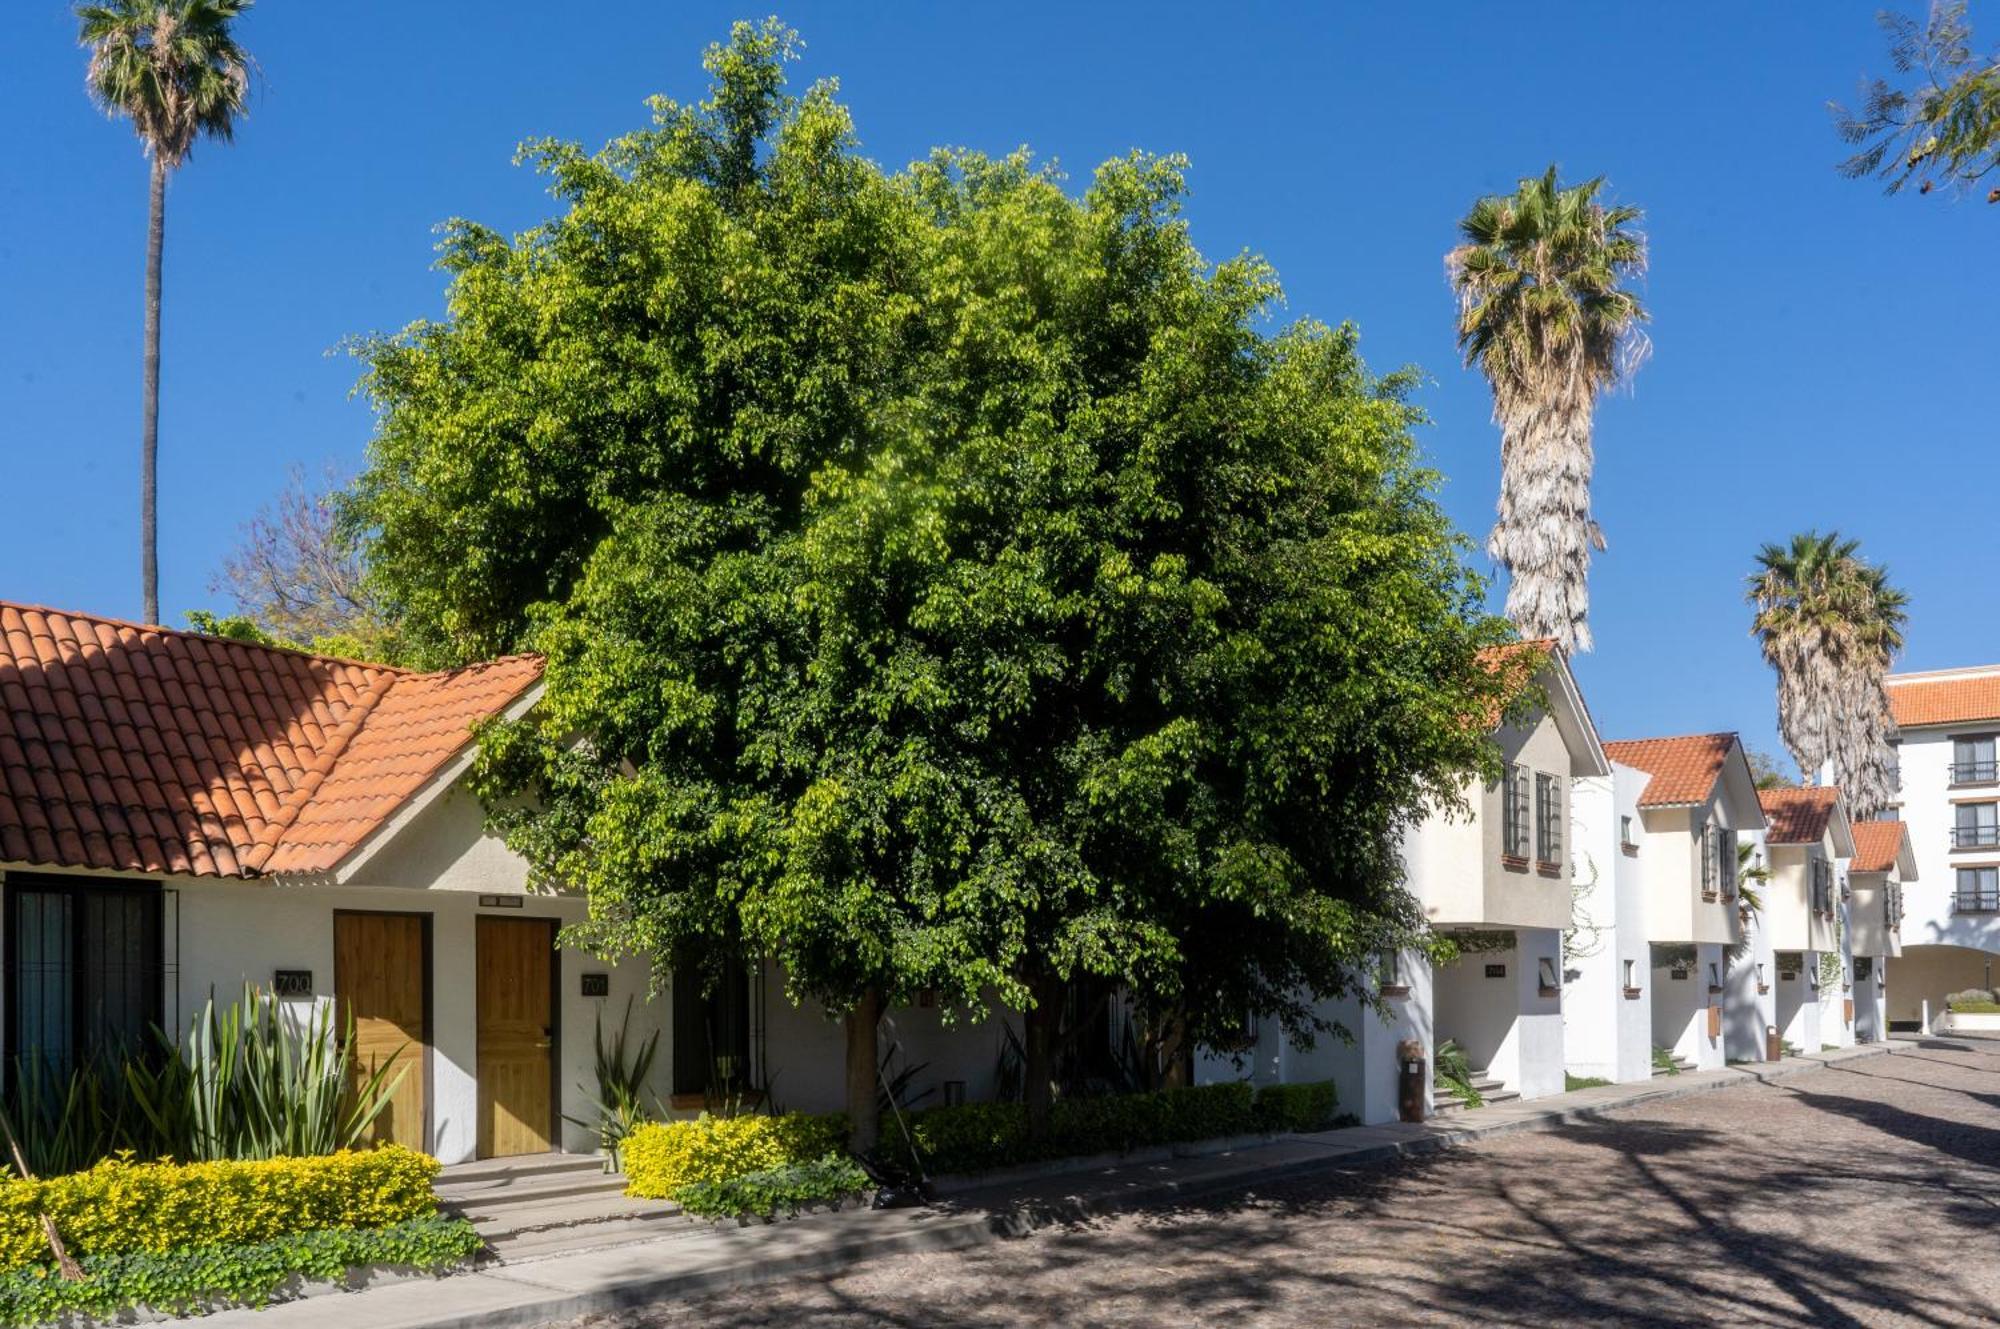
520 1165
569 1215
1490 1089
525 1247
488 1194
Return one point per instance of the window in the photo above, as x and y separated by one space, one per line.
1547 977
1625 836
1548 819
1976 826
1725 861
1514 812
1711 859
711 1032
1822 885
1972 760
1632 975
1978 890
1862 967
1389 973
84 966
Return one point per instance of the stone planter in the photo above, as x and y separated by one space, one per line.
1964 1022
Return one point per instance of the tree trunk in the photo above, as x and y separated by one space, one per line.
863 1121
149 443
1041 1027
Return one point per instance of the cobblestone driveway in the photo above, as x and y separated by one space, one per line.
1863 1194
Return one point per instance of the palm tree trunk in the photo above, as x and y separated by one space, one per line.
149 443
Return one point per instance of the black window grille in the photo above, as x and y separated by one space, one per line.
1515 811
85 967
1548 818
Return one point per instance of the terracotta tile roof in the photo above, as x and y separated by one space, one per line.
1798 816
1518 662
1920 699
1684 769
143 749
1877 845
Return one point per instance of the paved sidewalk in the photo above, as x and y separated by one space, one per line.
701 1257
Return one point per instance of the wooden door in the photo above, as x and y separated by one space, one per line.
517 1101
381 980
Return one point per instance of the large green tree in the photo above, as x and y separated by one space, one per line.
1939 123
947 581
174 69
1546 312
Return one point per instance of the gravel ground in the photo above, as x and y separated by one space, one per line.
1865 1194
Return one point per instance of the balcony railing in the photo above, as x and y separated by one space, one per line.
1975 837
1975 772
1982 901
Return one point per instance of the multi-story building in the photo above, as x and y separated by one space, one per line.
1883 866
1494 876
1804 915
1678 846
1949 797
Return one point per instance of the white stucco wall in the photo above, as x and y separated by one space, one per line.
1748 1014
1680 1008
1925 797
1507 1027
1607 1035
233 932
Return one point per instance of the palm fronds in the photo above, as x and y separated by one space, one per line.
1830 624
1544 313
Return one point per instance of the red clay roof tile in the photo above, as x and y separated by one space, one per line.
1877 845
143 749
1800 815
1958 697
1684 769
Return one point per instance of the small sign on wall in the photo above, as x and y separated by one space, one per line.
597 985
1677 974
500 902
292 982
1496 971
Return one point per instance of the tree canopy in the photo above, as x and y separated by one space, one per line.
947 580
1943 127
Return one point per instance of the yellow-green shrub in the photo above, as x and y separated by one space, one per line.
121 1206
662 1156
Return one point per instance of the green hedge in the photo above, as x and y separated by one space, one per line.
662 1157
791 1188
120 1206
185 1280
979 1137
1297 1107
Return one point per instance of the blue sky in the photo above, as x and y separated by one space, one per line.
1823 355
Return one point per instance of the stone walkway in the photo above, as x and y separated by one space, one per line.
691 1258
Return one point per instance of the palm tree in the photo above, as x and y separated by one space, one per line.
1542 312
1830 624
174 68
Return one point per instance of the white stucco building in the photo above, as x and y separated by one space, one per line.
1699 797
1805 915
1882 868
1949 798
182 814
1607 1020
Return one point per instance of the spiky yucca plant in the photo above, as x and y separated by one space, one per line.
1830 624
1544 313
